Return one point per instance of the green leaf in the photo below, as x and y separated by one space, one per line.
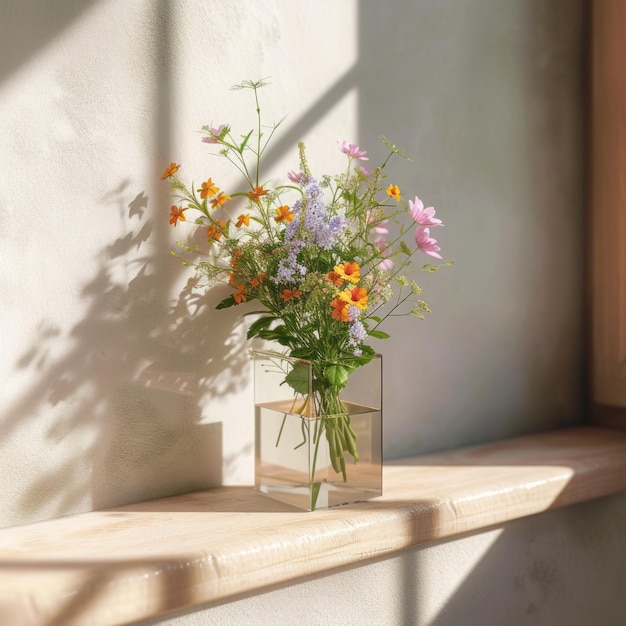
379 334
337 375
375 318
226 303
257 326
405 248
315 490
278 334
368 352
394 148
298 379
244 143
301 353
349 197
247 313
365 358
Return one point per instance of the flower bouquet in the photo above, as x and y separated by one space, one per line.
327 259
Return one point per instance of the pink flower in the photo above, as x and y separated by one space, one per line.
352 150
426 243
386 265
383 246
364 171
294 177
379 229
424 217
214 134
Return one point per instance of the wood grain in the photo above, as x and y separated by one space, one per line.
124 564
607 206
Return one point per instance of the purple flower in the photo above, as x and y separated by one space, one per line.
425 242
353 313
311 224
357 334
311 221
352 150
422 216
289 270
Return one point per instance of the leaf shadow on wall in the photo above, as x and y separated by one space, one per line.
125 395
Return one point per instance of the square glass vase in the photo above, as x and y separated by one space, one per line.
317 445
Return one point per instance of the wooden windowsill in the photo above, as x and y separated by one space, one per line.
133 562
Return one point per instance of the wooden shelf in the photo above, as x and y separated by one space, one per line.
129 563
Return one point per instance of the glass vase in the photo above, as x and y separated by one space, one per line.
318 445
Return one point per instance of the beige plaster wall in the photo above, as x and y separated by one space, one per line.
119 384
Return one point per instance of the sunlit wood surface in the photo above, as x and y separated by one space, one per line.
119 565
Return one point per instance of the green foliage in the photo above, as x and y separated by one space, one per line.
337 375
226 303
299 379
259 325
321 297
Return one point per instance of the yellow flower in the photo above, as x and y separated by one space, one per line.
170 170
283 214
243 219
393 191
219 200
208 189
350 271
356 296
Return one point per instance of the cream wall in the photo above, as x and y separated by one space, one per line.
117 383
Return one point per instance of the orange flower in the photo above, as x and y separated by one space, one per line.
219 200
170 170
335 279
236 255
290 294
239 295
257 280
340 310
208 189
283 214
215 231
256 193
349 271
356 296
393 191
177 214
243 219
